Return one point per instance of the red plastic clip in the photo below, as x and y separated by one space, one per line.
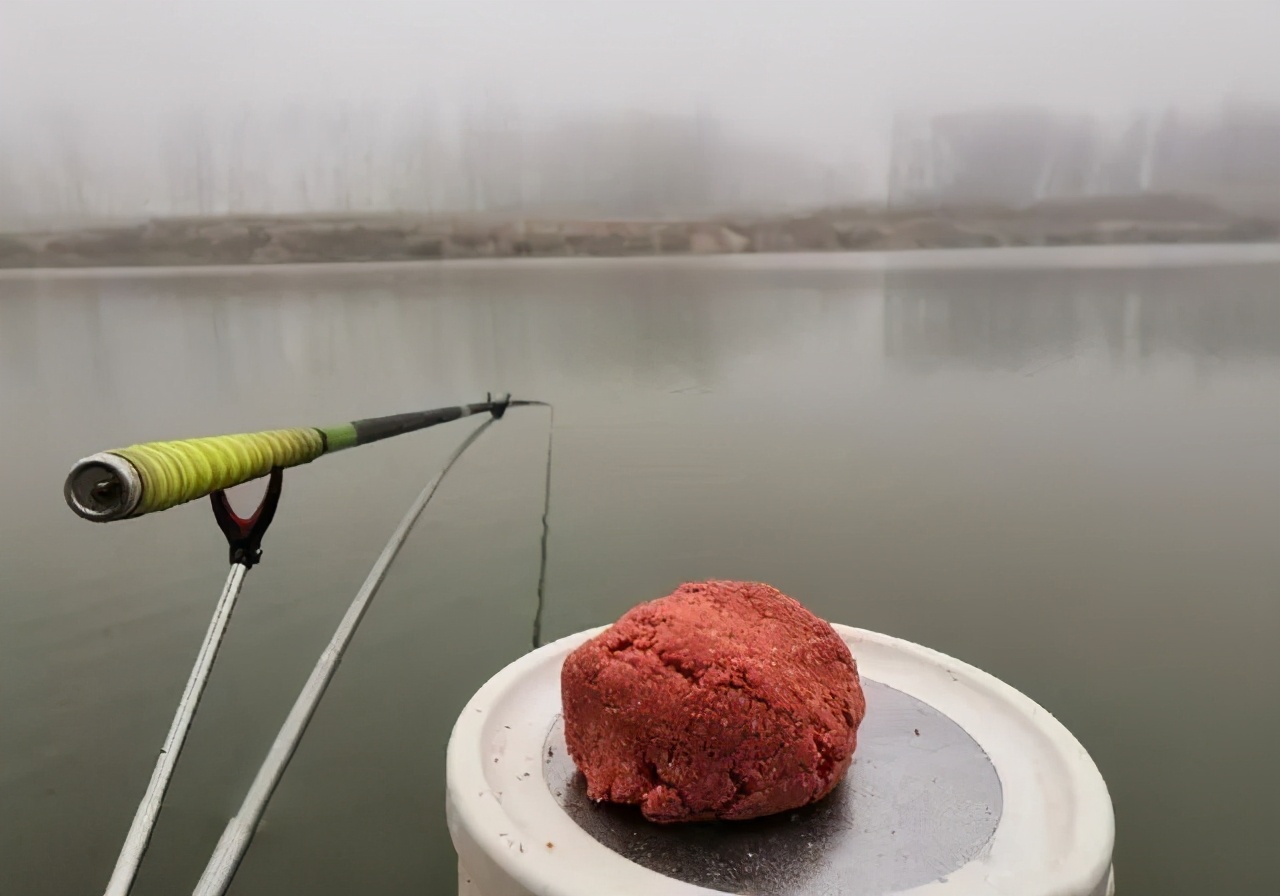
244 536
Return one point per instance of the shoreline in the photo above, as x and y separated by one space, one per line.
289 242
1117 256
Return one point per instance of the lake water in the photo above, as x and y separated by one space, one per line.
1062 466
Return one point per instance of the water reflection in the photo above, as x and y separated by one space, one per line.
434 334
1023 321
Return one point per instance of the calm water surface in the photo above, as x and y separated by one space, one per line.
1061 466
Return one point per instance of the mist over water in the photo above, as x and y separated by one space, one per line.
132 108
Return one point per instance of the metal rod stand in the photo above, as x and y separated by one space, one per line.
135 844
245 539
235 838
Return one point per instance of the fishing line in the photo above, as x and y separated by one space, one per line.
546 510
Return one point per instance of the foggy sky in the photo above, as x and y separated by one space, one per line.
124 107
819 72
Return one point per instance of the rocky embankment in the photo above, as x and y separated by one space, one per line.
288 240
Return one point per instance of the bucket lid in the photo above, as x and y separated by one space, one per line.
959 785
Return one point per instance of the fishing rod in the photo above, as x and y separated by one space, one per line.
150 477
128 482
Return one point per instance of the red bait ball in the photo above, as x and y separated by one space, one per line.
723 700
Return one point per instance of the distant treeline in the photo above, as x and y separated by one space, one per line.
1014 157
313 159
310 158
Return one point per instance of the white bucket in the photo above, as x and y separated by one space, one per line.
960 786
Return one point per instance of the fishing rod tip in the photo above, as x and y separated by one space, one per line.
499 405
102 488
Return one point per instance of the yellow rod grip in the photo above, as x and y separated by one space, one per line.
173 473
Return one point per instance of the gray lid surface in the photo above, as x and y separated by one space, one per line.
921 800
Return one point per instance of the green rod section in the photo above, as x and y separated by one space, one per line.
338 437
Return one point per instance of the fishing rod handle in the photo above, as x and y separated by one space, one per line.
154 476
